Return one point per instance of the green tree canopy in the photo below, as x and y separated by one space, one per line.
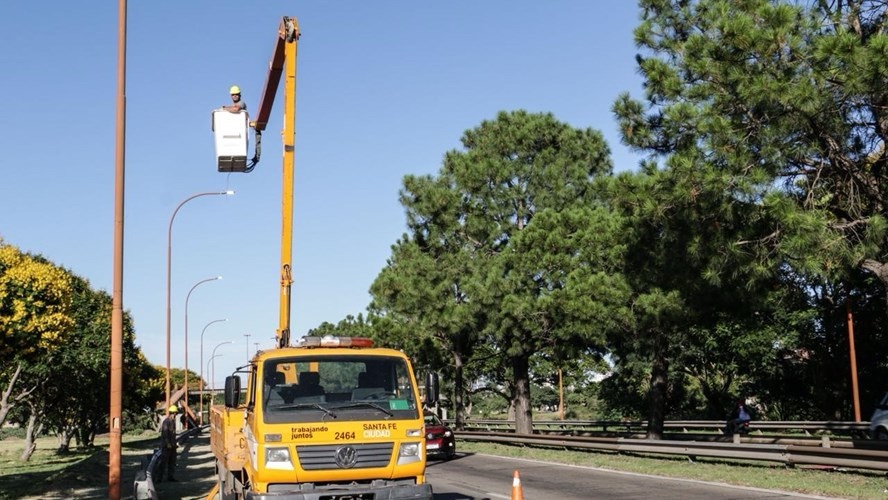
459 275
787 102
775 111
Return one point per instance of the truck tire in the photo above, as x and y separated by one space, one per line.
229 491
227 485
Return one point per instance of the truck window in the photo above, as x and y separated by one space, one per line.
353 387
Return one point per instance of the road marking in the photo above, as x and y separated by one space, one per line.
497 495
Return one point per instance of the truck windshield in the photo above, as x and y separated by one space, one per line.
342 387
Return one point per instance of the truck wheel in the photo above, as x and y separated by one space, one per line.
227 489
881 434
222 494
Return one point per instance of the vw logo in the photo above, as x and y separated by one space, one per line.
346 457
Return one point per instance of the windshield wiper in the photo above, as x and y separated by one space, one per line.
315 406
366 403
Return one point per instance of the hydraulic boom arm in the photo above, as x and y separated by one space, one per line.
284 53
283 62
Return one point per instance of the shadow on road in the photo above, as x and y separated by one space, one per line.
195 471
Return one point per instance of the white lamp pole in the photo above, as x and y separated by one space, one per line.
169 275
187 297
213 373
202 365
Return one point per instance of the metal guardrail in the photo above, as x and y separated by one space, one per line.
872 455
808 428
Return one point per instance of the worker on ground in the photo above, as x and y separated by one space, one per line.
237 104
168 445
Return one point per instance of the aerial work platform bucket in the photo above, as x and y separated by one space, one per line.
231 135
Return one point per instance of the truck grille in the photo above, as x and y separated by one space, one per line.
342 456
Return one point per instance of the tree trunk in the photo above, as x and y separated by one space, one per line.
659 386
31 433
6 401
458 391
89 437
64 439
521 376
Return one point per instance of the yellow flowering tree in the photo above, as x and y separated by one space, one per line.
35 315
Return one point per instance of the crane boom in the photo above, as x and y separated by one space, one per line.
283 63
289 33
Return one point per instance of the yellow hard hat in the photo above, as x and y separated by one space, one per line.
234 90
173 409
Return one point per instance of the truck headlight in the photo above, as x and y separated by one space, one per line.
278 458
409 453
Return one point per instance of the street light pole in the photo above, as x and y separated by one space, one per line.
187 297
169 274
247 335
115 411
213 373
212 389
202 364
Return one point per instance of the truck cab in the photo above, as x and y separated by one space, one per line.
330 416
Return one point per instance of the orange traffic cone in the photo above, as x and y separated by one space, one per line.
517 490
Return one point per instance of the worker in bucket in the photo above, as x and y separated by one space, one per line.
237 104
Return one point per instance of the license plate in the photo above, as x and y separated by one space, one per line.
433 446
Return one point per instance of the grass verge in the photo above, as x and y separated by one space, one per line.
80 473
832 482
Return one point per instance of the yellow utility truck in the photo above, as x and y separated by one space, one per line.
330 418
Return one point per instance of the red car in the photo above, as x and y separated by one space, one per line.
439 438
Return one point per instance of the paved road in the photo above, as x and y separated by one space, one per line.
484 477
196 472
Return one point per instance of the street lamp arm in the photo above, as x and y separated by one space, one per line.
220 344
188 296
202 381
213 355
208 325
186 200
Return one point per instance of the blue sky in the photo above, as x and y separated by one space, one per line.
384 89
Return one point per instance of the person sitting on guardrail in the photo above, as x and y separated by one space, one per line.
739 419
168 445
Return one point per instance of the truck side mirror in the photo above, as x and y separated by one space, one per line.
431 388
232 391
